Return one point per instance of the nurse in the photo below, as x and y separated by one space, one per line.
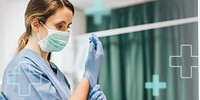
31 76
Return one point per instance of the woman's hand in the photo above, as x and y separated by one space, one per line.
96 94
94 59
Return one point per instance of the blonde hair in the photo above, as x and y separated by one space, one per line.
42 10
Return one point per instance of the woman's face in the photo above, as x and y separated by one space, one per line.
61 21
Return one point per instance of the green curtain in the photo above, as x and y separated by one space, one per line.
131 59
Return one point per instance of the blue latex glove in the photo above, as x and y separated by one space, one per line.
94 39
97 94
94 59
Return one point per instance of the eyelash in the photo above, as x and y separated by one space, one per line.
59 26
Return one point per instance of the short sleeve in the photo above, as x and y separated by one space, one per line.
27 81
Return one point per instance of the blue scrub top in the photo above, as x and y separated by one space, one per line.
28 77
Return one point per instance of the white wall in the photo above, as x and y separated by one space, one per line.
1 37
12 25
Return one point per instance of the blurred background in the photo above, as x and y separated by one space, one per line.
140 39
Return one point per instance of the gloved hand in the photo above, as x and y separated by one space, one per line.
96 94
94 59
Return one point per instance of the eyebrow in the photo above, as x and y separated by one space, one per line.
64 22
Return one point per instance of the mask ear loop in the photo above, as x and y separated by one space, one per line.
38 35
44 25
38 32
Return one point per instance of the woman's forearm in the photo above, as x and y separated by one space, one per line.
81 91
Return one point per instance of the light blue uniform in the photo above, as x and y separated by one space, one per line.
28 77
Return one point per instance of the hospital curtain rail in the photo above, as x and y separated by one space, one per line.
132 59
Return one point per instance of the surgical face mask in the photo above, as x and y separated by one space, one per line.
55 41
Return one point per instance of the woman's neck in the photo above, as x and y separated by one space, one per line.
33 45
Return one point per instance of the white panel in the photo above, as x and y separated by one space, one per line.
137 28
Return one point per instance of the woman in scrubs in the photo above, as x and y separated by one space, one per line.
31 76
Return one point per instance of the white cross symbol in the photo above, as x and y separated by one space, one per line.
188 61
22 86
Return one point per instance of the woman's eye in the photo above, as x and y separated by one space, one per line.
60 26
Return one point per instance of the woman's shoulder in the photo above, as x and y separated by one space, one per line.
21 57
21 61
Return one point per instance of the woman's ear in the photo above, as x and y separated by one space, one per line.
35 25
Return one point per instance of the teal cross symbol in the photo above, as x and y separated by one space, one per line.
155 85
98 11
